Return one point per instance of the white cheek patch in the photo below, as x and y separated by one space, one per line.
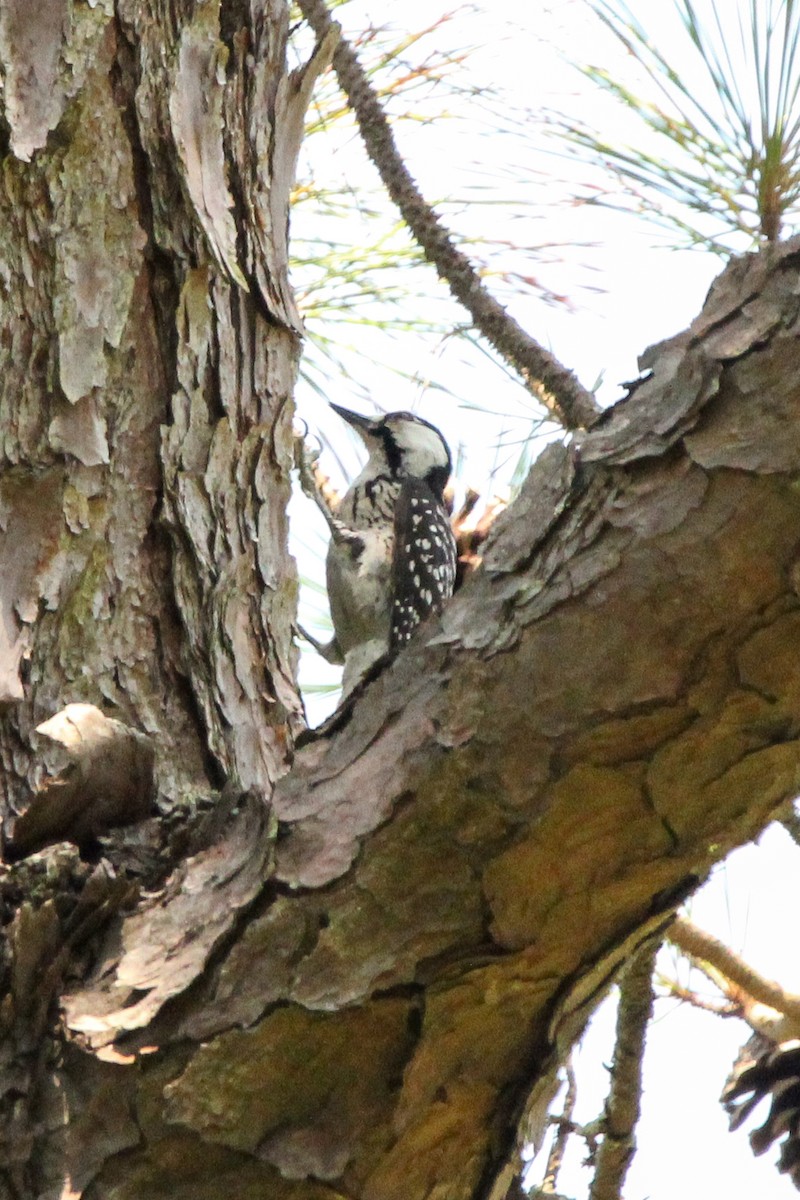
422 448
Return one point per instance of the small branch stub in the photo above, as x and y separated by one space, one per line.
107 781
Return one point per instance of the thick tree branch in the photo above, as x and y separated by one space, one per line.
471 851
552 384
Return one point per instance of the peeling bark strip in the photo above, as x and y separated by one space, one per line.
196 109
31 34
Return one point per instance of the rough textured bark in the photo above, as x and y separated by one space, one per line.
148 353
359 979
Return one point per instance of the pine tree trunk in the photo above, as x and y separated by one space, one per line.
149 351
359 975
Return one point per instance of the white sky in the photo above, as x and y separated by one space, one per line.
643 295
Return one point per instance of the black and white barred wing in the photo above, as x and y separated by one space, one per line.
424 562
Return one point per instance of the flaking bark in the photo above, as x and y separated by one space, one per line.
607 708
363 985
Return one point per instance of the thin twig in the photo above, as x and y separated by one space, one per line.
544 376
624 1097
677 991
564 1127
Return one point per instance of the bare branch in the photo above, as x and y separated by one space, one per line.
545 377
622 1106
677 991
564 1126
748 987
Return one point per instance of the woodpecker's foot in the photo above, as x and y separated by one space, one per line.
314 482
342 536
306 460
328 650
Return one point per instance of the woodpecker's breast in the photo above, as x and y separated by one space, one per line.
370 502
360 577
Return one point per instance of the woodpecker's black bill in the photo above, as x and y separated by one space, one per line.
354 419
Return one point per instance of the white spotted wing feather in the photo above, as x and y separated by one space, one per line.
424 560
